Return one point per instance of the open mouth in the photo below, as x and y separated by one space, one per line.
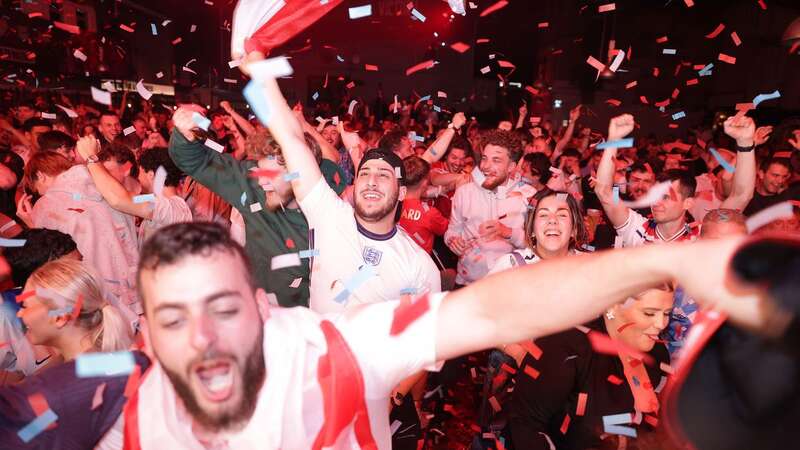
216 379
371 195
552 233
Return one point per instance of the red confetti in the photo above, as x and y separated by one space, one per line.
662 39
631 84
76 310
124 27
495 404
371 68
508 368
595 63
337 178
268 173
581 408
613 102
662 104
532 90
77 210
67 27
406 313
506 64
289 243
497 6
615 380
782 155
656 71
727 58
565 424
744 106
39 405
689 3
533 349
177 41
21 297
482 41
692 82
543 24
675 93
421 66
736 39
531 372
460 47
607 8
653 421
643 99
716 31
619 330
762 5
602 343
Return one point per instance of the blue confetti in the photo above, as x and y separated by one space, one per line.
615 190
669 51
364 273
437 109
722 162
243 198
408 291
258 101
360 11
200 120
425 99
59 312
309 253
76 196
144 198
315 96
418 15
37 425
706 70
12 242
764 97
678 115
621 143
104 364
291 176
154 29
612 425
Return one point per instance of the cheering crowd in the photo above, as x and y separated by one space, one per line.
309 281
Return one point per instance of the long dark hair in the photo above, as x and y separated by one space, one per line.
581 236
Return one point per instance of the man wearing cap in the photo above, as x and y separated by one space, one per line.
360 255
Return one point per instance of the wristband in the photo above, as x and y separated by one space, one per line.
745 149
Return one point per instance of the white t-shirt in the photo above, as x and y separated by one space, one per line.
639 230
519 258
166 211
290 410
345 247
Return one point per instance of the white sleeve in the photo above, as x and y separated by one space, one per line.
170 210
322 205
455 228
502 263
388 358
630 233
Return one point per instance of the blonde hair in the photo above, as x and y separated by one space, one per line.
69 279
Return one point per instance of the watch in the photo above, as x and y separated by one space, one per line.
745 149
91 159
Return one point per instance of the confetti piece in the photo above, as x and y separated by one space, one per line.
360 11
662 39
70 113
533 349
12 242
580 410
143 90
692 82
716 31
617 61
762 5
395 426
284 261
66 27
76 311
565 424
595 63
621 143
124 27
364 273
38 425
603 344
531 372
736 41
495 404
97 400
612 425
258 102
543 24
764 97
369 67
653 196
144 198
497 6
607 8
129 130
291 176
506 64
296 283
726 58
200 120
666 368
22 296
784 210
482 41
486 70
460 47
722 161
101 96
255 207
418 15
631 84
653 421
407 312
270 68
678 115
421 66
80 55
615 380
667 51
689 3
613 102
104 364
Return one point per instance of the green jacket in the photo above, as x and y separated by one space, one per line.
266 232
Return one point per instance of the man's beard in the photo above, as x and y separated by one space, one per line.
252 379
495 181
378 215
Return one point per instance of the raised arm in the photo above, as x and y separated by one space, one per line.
523 113
328 151
617 213
742 129
112 190
440 145
289 134
573 290
574 115
240 121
